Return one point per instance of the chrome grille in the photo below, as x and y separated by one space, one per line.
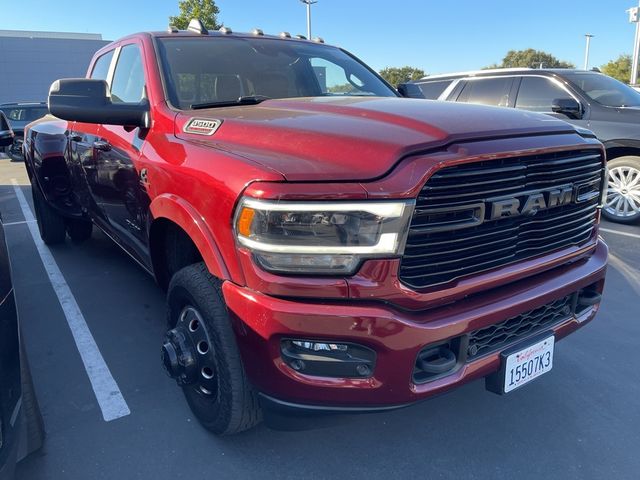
452 235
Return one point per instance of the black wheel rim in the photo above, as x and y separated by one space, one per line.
206 382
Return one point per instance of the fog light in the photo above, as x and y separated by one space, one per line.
297 365
316 346
344 360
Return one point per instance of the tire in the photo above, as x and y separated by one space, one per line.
51 224
79 230
232 407
623 196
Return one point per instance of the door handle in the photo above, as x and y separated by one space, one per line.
102 145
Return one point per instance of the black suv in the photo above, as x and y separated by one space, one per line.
20 115
592 100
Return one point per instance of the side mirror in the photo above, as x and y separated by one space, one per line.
410 90
6 133
567 106
88 100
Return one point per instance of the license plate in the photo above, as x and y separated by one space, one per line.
527 364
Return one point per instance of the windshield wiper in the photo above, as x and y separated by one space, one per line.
246 100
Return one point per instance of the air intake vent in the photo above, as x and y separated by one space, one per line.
496 337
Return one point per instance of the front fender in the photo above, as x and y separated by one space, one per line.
622 143
183 214
622 147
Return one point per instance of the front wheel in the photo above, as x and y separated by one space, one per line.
200 352
623 196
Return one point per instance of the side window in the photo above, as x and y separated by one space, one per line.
101 67
537 94
432 90
128 79
333 79
17 114
487 91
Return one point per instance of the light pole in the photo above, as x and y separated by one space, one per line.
309 3
586 50
634 17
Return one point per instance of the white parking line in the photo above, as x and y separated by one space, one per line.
110 399
608 230
11 224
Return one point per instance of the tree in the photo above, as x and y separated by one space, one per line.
206 10
531 58
344 88
620 69
397 75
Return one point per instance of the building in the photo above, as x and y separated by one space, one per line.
31 61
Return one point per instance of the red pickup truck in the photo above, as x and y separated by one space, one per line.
325 245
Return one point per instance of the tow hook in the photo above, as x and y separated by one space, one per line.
178 357
437 360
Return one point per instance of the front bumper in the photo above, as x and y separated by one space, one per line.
397 336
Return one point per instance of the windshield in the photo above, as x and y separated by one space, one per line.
605 90
221 70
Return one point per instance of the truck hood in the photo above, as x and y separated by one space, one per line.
356 138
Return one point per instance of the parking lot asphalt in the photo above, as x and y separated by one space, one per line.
581 421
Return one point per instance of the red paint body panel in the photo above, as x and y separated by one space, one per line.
341 139
338 149
181 213
397 336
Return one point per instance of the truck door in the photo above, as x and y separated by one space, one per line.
81 156
122 196
82 167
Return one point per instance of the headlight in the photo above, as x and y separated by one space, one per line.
321 237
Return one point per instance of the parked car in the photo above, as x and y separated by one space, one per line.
6 133
19 115
21 430
325 245
588 99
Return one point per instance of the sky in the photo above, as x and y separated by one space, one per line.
436 36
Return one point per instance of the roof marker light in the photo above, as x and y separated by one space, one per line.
257 31
225 30
285 35
196 26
